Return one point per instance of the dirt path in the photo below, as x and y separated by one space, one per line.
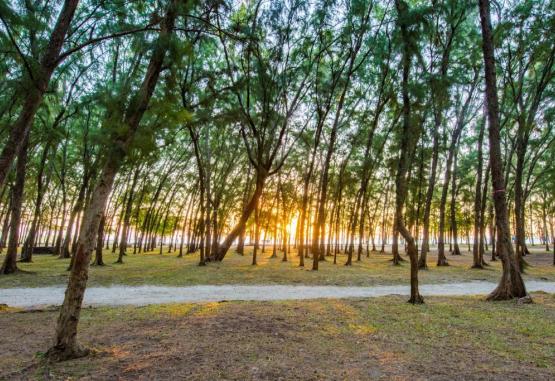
144 295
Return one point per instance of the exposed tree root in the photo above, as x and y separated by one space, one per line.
442 262
416 299
7 271
505 291
63 353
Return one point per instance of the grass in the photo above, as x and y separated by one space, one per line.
155 269
379 338
382 338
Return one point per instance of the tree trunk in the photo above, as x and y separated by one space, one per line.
127 217
482 248
306 188
74 213
477 263
492 231
425 247
186 221
520 236
65 345
553 240
320 218
164 224
241 244
27 251
261 175
98 260
460 123
6 223
256 233
454 230
545 231
36 86
511 284
409 138
10 261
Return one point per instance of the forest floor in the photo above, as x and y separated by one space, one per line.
448 338
168 270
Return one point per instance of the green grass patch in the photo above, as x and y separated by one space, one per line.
155 269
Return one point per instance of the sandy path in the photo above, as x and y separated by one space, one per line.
144 295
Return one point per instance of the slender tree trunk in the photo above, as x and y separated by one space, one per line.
36 85
74 214
477 263
241 244
425 247
4 215
320 218
65 344
186 221
460 123
492 233
6 223
167 214
127 217
98 260
520 201
10 261
552 240
384 218
261 176
54 210
306 188
545 231
511 284
482 248
256 233
454 230
27 251
409 138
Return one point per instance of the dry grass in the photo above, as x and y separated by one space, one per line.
383 338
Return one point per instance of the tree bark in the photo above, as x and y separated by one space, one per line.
544 221
10 261
454 229
492 235
74 213
409 138
425 247
66 345
511 284
6 223
36 86
441 258
98 260
477 263
27 250
482 230
127 217
261 175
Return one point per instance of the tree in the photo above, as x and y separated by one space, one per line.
37 81
511 284
409 137
66 345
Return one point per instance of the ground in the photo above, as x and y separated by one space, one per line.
448 338
167 269
455 338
